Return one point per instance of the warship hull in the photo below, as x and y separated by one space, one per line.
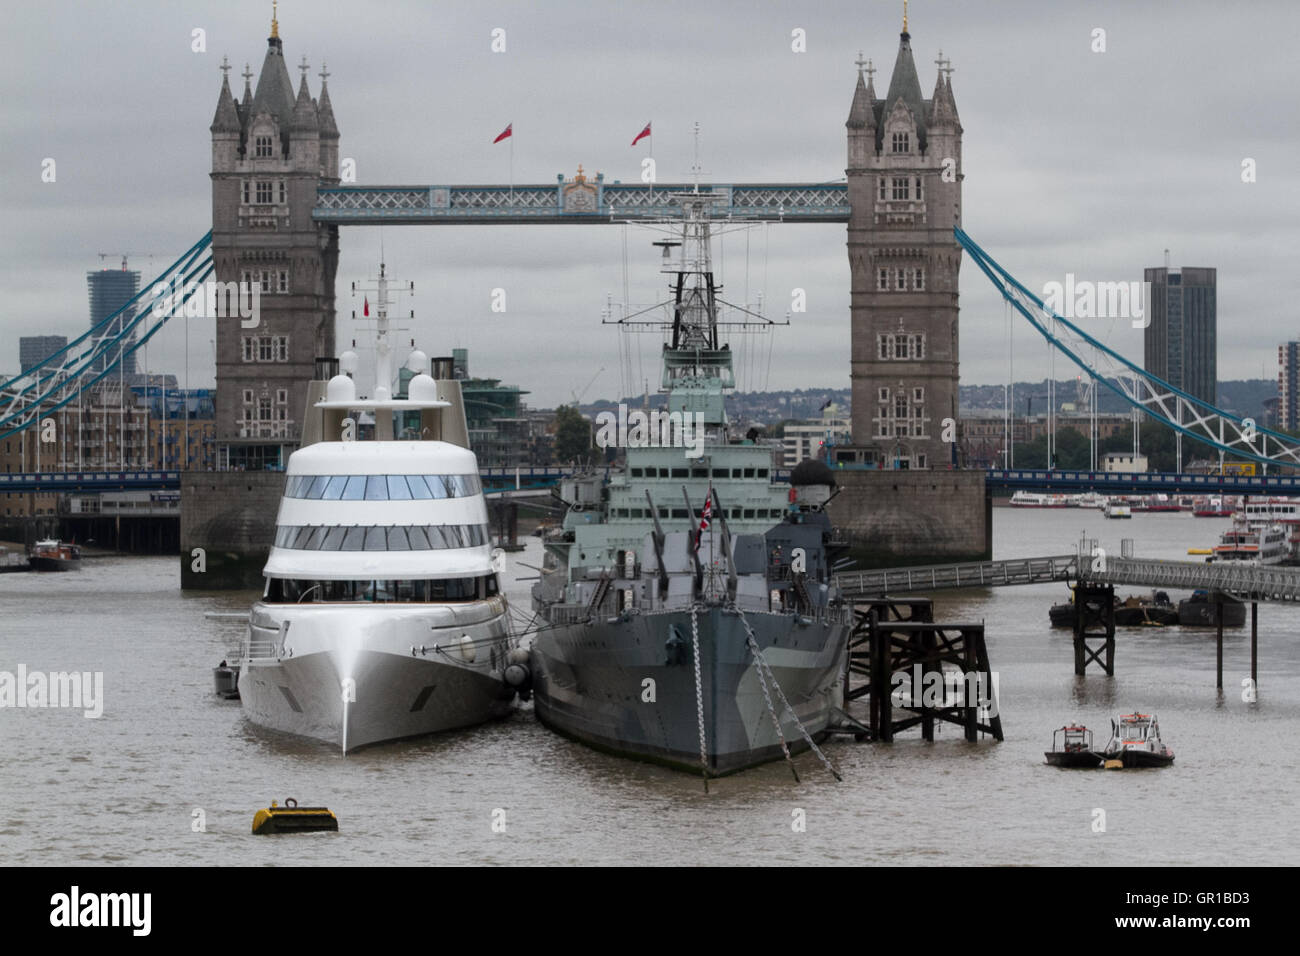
592 684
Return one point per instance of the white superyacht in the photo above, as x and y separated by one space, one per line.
382 616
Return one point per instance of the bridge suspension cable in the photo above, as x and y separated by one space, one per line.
1165 403
65 375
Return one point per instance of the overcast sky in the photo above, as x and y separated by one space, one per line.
1074 161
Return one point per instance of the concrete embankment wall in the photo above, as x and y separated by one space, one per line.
231 516
894 518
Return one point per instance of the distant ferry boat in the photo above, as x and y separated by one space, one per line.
1117 509
1214 507
52 555
1031 499
1154 503
1265 545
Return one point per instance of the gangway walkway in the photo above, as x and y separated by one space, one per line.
1246 582
936 577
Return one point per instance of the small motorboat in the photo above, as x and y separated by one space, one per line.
1072 747
1198 611
1154 611
1135 742
53 555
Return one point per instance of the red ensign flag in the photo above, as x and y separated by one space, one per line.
705 515
642 135
504 133
365 306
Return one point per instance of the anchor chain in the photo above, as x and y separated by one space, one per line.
699 695
767 698
761 662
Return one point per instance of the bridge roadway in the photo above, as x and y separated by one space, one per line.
521 478
1150 482
1243 581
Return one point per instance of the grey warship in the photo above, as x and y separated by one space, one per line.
687 610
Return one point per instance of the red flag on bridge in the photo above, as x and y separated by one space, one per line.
642 135
505 133
365 306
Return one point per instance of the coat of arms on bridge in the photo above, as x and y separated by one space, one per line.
579 194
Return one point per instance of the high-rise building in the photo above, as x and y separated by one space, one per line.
110 289
905 179
1288 385
271 151
35 349
1181 342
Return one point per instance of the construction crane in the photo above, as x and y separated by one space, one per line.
578 396
124 255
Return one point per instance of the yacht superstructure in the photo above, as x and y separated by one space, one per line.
381 617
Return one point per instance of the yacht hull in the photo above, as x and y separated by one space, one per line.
590 684
359 676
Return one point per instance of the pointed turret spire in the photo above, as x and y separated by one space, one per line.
274 88
304 110
325 110
862 114
226 119
906 86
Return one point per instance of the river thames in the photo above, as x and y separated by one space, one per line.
170 774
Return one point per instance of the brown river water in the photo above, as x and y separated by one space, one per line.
132 786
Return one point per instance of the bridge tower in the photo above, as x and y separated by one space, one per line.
270 153
904 177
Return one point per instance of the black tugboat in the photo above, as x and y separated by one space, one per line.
1072 747
1062 615
1154 611
1198 611
1135 742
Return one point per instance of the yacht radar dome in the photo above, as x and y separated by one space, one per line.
340 388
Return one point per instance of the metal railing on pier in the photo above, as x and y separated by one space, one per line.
1248 582
1061 567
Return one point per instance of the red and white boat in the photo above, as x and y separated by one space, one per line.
1214 507
1262 545
52 555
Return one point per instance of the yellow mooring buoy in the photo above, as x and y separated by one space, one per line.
292 818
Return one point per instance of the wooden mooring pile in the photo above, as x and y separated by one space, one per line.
917 672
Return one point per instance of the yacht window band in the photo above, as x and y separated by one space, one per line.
434 537
427 591
381 487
